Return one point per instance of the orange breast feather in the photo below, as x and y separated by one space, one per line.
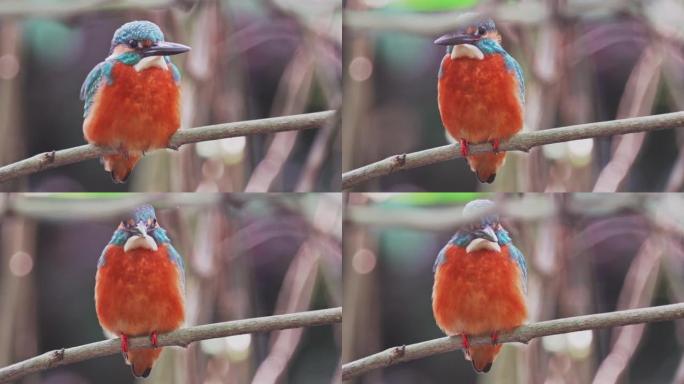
139 110
138 292
478 99
478 293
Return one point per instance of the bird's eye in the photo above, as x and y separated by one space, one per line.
481 30
133 44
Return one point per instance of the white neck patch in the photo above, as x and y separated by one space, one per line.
466 50
482 244
151 61
145 242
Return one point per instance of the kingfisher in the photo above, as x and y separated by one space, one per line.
480 93
132 98
480 285
139 287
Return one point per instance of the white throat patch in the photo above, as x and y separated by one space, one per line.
145 242
151 61
466 50
482 244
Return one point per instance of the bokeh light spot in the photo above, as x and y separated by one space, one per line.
9 67
360 68
554 343
234 145
555 151
580 151
579 343
239 343
364 261
21 264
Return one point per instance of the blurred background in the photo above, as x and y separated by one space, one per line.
586 253
249 60
245 256
583 61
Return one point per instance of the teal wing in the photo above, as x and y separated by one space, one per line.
90 86
441 258
177 259
513 65
118 239
94 80
519 259
174 69
103 257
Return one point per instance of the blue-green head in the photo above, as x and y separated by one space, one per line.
478 38
143 38
486 232
140 230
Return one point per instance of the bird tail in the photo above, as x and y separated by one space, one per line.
142 360
482 356
485 165
120 165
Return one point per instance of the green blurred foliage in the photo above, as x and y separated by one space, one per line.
435 5
50 40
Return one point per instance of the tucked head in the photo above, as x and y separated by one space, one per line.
468 41
138 228
144 38
483 233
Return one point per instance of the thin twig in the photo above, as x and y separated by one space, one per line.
182 338
520 142
49 160
523 334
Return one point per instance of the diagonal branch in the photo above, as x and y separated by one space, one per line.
181 337
522 334
520 142
54 159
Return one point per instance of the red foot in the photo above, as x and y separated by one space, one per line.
153 339
466 343
464 147
495 145
124 343
495 338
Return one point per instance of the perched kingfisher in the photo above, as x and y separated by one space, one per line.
139 287
480 285
481 93
132 99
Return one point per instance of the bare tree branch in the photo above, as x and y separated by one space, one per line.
49 160
181 337
431 24
520 142
524 334
24 8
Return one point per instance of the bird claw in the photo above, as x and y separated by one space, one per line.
495 145
495 338
466 342
124 344
464 147
153 339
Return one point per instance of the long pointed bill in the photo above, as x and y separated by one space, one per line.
456 39
164 48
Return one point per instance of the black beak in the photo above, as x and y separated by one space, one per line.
456 39
164 48
486 233
140 229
